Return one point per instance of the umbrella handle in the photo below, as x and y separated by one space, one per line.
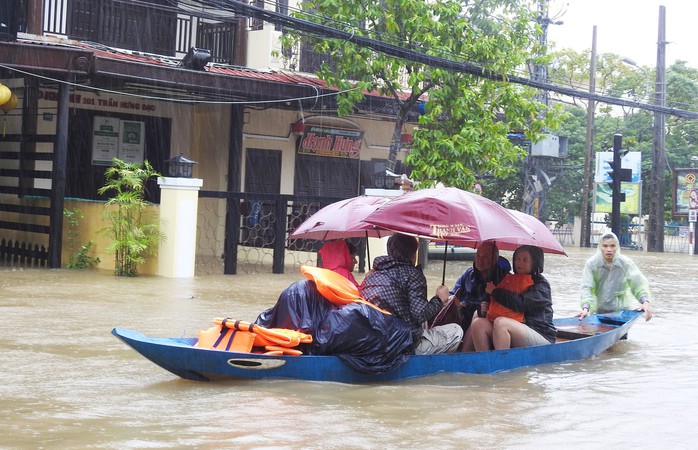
443 274
368 253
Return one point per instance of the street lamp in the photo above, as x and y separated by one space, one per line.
631 62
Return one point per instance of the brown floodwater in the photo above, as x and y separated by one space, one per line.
66 382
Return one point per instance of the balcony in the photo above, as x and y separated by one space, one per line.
154 26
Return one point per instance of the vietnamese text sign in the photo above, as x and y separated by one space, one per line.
114 138
335 142
132 142
105 140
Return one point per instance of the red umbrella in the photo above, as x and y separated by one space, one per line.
453 216
449 215
540 235
342 219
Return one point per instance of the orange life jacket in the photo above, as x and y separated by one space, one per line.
335 287
512 282
239 336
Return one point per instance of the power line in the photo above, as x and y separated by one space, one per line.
454 66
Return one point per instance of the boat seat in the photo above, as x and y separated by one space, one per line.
566 335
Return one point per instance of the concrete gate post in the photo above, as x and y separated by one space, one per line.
179 200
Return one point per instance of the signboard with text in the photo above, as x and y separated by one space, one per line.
114 138
684 184
132 141
105 141
333 142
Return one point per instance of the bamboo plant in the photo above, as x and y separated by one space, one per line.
133 236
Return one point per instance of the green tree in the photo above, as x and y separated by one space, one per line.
682 134
618 79
466 119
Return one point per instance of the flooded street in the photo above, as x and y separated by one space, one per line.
66 382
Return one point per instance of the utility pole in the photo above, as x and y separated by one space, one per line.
587 188
655 235
534 190
541 70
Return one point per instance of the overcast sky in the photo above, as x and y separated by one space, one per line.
627 28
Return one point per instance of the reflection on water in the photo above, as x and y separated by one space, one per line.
68 383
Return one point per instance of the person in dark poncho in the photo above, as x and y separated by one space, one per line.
470 286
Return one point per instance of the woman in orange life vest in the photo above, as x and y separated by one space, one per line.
527 293
339 256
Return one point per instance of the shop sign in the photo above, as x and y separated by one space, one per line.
333 142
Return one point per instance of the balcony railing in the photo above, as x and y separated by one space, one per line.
153 26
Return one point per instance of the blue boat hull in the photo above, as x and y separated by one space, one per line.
577 341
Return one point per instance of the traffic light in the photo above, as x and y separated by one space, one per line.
618 175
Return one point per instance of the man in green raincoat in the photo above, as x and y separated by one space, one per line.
612 282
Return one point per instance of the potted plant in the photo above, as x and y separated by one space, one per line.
132 235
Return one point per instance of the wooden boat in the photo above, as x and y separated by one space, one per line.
577 340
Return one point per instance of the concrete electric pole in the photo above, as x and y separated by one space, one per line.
587 188
655 234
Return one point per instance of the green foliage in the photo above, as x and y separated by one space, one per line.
80 259
463 131
564 199
132 237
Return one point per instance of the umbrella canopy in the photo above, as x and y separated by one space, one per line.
540 235
341 220
455 216
450 215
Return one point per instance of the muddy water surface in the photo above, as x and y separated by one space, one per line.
66 382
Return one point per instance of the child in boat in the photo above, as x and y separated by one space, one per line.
530 297
339 256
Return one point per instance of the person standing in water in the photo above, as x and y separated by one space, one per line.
612 282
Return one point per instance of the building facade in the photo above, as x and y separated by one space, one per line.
149 80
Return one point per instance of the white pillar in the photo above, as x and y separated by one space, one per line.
179 199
